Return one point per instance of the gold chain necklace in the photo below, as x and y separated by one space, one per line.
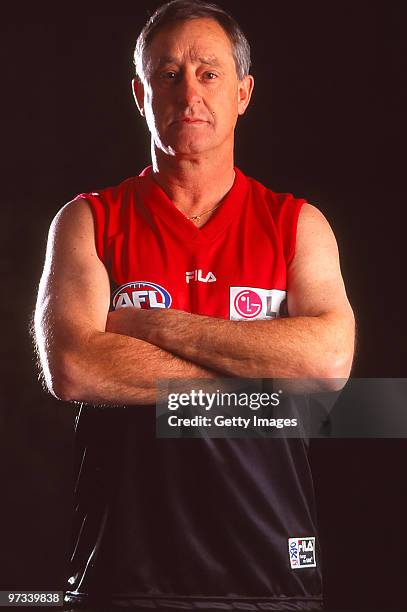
198 217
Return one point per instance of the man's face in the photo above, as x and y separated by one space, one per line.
191 96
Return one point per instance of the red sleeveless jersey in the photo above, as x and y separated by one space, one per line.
234 267
192 524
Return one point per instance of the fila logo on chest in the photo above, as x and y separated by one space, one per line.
197 275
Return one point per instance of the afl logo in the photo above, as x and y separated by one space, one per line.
141 294
248 304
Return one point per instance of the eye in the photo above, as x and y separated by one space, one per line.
211 76
169 75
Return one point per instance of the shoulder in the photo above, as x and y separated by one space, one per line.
284 206
76 215
310 220
313 230
84 206
278 198
312 215
109 194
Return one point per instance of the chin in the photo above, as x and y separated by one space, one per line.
190 147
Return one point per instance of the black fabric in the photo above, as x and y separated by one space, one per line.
187 523
197 606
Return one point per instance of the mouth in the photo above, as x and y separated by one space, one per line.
189 121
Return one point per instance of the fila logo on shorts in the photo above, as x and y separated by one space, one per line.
302 552
249 303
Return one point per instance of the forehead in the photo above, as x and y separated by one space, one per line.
195 38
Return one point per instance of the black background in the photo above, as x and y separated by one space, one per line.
325 123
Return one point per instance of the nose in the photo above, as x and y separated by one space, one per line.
189 90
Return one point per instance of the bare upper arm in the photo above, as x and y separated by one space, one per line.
74 292
315 284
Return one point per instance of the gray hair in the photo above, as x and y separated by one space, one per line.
183 10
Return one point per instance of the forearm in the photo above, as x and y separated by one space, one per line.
296 347
114 369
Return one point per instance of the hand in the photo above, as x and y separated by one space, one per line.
120 321
141 323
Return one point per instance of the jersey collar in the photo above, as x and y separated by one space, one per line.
155 198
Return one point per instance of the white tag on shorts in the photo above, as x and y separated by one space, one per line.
302 552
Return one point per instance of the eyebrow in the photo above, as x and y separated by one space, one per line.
170 59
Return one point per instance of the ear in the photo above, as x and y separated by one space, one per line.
245 90
138 93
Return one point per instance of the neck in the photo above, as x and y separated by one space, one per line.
194 184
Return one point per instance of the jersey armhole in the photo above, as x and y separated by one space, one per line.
289 226
97 208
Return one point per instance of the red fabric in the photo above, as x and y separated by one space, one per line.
141 237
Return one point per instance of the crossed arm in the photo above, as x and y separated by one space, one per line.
115 358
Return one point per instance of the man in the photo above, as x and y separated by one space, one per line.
183 272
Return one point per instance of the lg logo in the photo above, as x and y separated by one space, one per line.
247 303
